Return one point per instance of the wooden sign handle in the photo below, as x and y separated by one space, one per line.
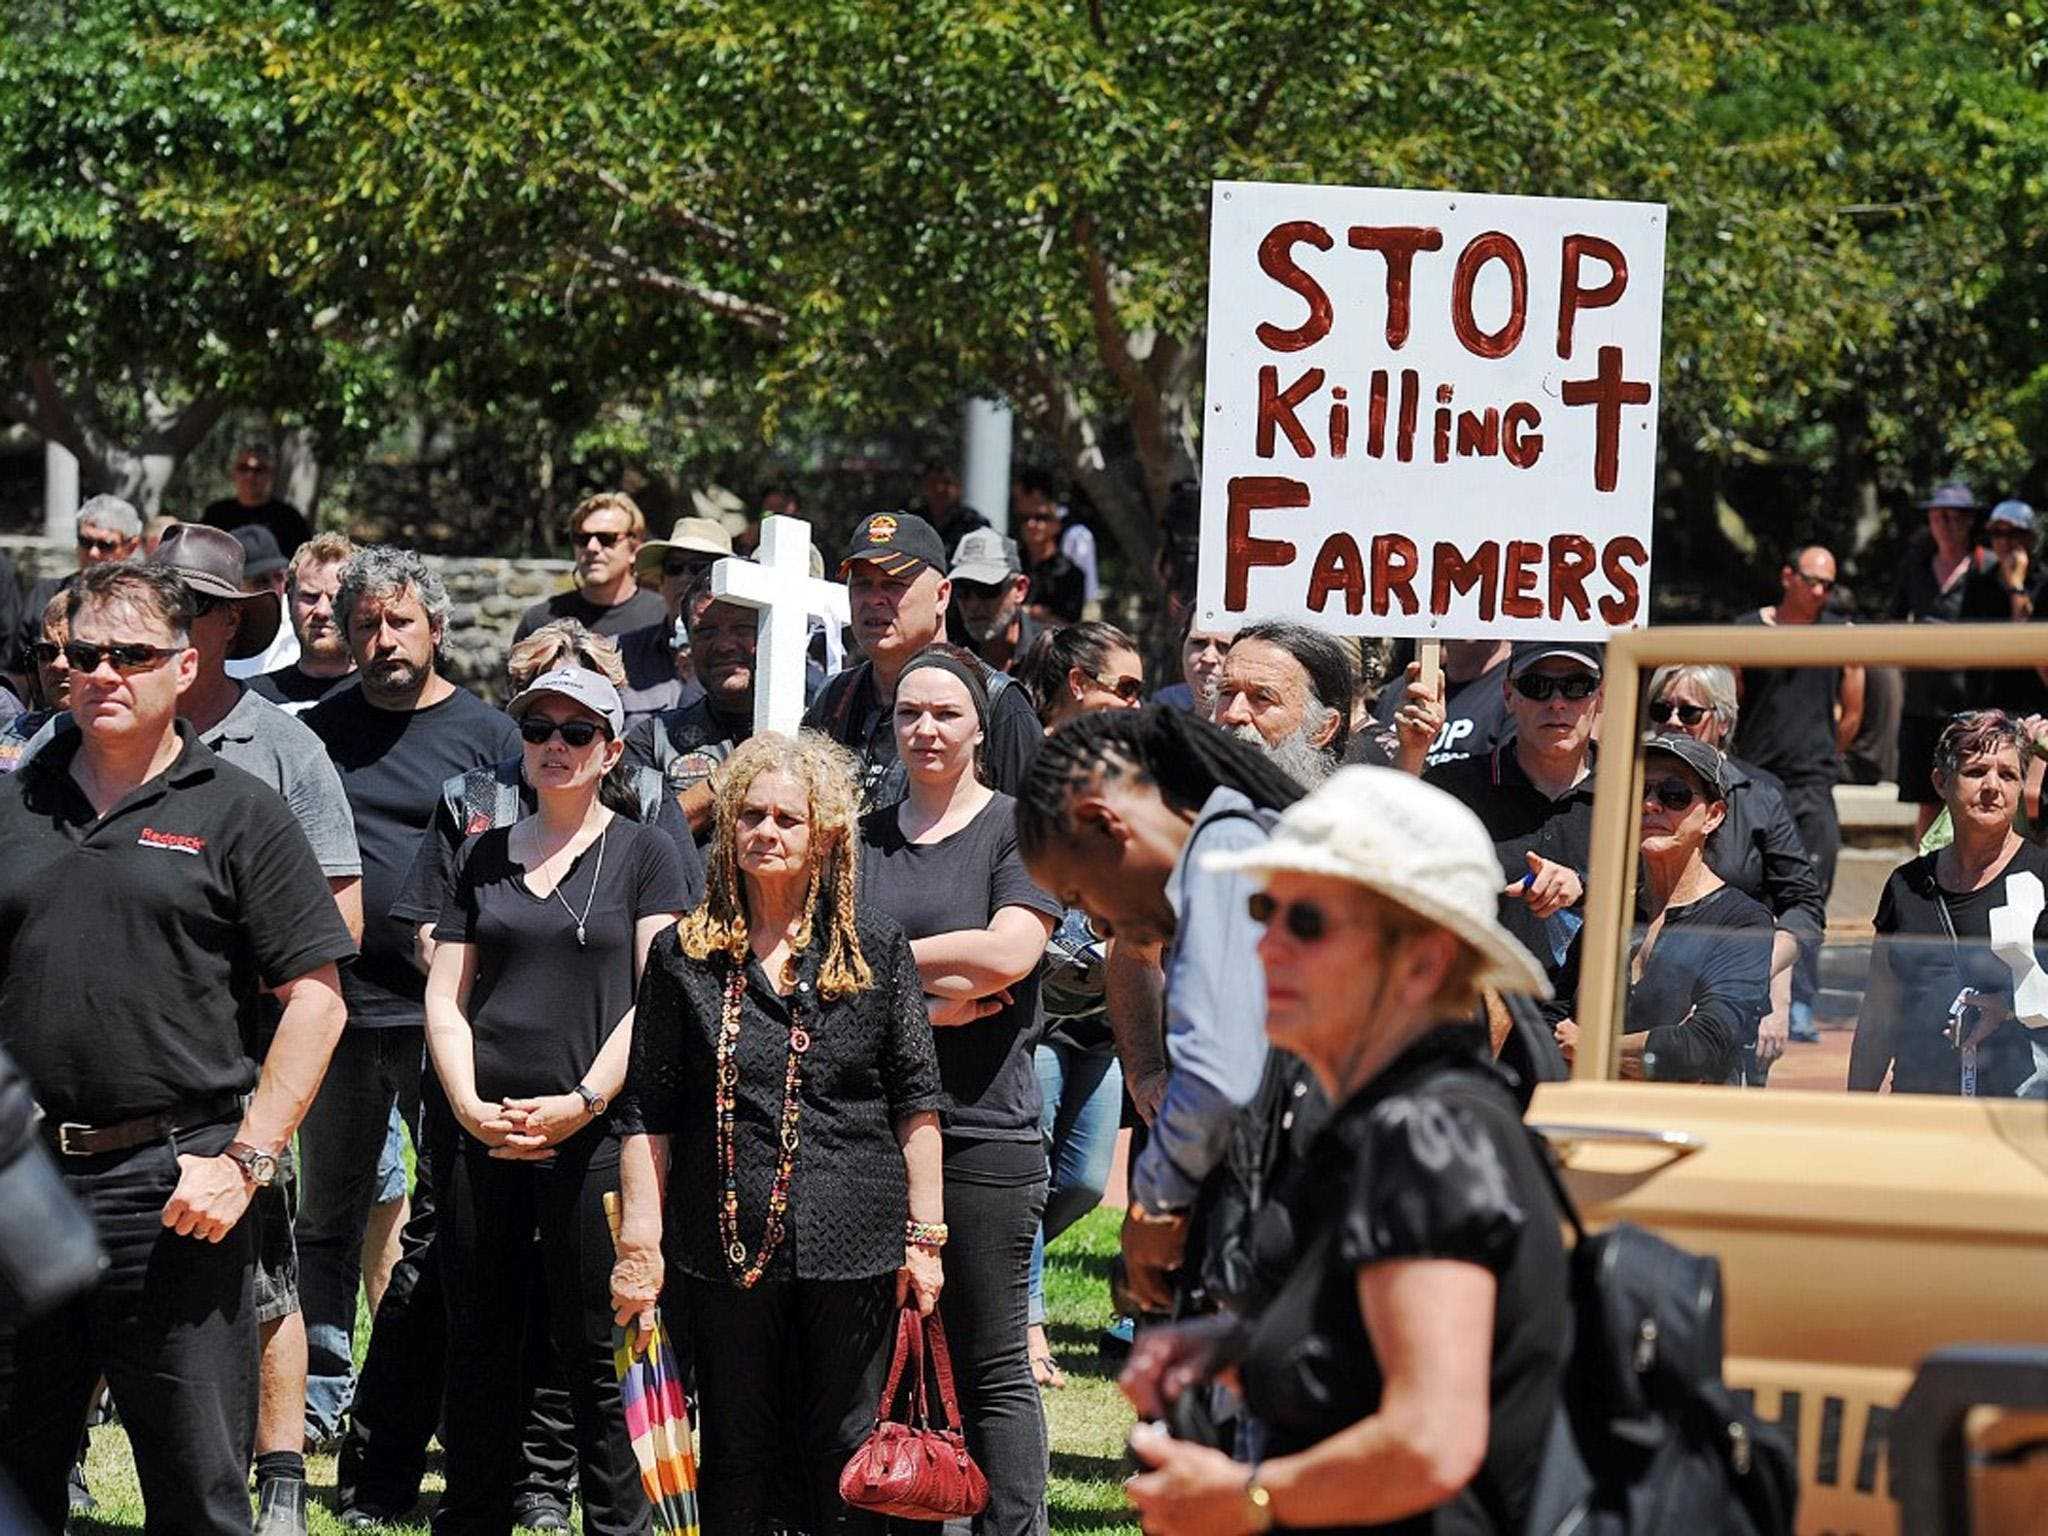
1430 653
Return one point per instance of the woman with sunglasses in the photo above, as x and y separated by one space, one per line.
49 683
1069 672
1406 1371
944 863
1757 849
1699 960
538 955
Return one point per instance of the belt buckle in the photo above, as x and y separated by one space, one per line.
64 1145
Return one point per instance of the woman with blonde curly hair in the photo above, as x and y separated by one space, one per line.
782 1140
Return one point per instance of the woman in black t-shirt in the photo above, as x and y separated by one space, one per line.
538 953
1406 1372
1932 967
944 864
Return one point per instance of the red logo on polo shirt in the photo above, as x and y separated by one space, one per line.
177 842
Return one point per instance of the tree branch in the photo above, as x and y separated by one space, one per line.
188 428
1148 430
1098 22
1255 115
723 237
623 265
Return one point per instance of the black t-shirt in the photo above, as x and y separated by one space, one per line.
962 881
1476 718
1521 820
543 1003
1704 986
287 524
392 765
1058 586
132 945
1930 971
1977 596
851 714
294 691
621 619
432 876
1428 1161
1787 725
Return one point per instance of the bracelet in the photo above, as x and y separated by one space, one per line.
1261 1502
925 1234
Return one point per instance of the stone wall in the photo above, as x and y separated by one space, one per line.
486 596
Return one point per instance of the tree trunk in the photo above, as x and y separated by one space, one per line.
298 473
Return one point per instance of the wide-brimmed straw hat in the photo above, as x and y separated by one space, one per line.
210 561
1409 843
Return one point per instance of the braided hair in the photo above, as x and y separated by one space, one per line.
1188 759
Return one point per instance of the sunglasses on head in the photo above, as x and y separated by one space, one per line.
1540 685
1303 920
1688 714
1129 689
604 540
99 546
577 733
1672 794
127 656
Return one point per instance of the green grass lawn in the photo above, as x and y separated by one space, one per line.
1088 1417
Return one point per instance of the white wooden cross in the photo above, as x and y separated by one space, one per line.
777 583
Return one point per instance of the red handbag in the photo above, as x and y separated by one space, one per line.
909 1468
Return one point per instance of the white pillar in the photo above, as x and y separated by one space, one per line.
60 491
985 481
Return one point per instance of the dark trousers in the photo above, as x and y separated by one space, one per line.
490 1210
1812 803
398 1395
984 1307
788 1376
172 1327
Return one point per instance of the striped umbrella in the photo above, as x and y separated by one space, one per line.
657 1417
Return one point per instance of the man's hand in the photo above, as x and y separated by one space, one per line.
211 1195
1418 720
1567 1037
1166 1360
1548 888
1153 1246
1146 1094
1772 1031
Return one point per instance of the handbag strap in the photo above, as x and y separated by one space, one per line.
906 1350
1546 1159
942 1367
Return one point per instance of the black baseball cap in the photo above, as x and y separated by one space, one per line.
1526 653
901 543
1702 759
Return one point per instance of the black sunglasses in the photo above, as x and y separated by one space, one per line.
126 656
1303 920
577 733
605 540
1689 714
1672 794
46 652
685 565
99 546
1538 686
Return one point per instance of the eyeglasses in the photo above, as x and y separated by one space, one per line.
1129 689
676 565
577 733
46 652
605 540
1688 714
1672 794
1538 686
1303 920
89 545
127 656
1817 583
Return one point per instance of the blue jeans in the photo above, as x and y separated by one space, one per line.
340 1145
1084 1095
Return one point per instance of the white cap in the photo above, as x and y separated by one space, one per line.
1410 843
593 690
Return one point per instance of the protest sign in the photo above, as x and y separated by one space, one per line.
1429 413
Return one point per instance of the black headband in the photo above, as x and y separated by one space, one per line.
977 690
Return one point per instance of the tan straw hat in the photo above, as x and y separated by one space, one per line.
1410 843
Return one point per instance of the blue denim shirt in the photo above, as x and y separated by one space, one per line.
1215 1008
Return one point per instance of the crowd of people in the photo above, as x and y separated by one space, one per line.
784 1033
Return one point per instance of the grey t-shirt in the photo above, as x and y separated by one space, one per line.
261 739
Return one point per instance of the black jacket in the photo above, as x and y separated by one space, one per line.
1757 850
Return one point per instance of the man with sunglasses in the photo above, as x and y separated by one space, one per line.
660 670
1534 792
989 592
1795 724
109 531
605 535
132 855
255 477
395 737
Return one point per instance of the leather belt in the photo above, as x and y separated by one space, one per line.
72 1139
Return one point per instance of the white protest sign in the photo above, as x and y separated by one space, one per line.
1429 413
778 584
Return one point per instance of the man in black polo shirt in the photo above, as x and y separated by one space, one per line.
896 579
396 737
147 891
1535 793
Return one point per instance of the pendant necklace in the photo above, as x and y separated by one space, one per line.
591 896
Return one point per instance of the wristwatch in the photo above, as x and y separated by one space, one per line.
596 1103
1259 1499
257 1165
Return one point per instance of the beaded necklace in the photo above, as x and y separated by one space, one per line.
749 1274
